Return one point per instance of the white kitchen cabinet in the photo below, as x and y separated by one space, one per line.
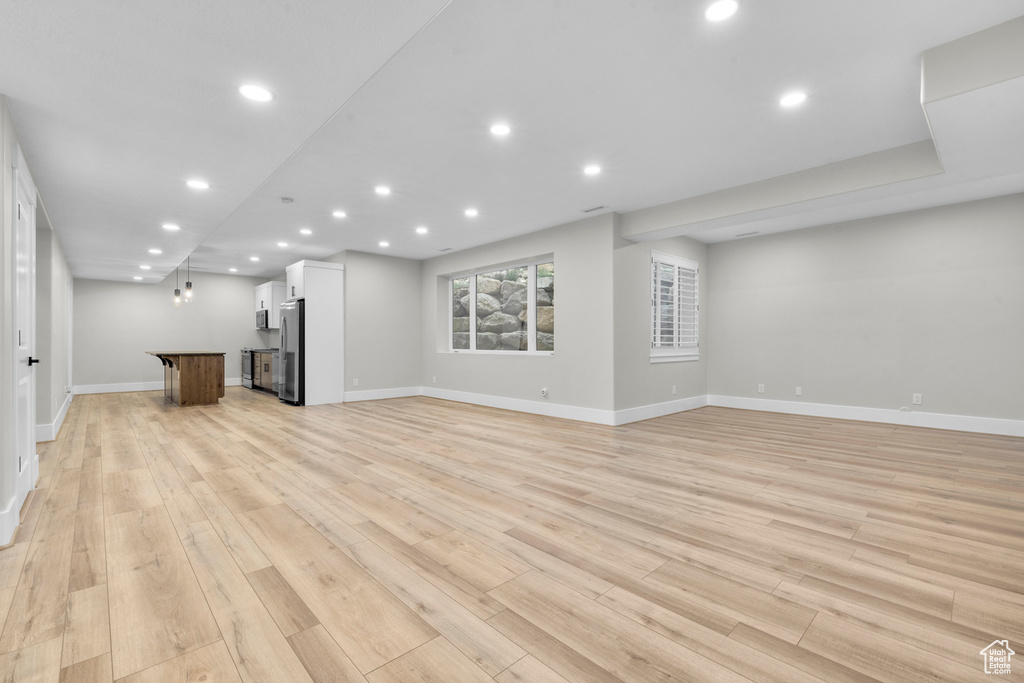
296 280
269 297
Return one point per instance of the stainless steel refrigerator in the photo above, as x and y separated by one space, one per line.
293 344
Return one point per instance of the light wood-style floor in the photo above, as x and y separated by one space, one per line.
420 540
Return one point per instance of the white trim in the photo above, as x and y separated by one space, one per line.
136 386
9 519
960 423
378 394
48 432
566 412
628 415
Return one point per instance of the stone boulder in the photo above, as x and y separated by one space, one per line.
488 285
546 319
499 322
486 341
514 341
512 307
460 340
486 305
546 283
543 297
460 324
508 287
545 341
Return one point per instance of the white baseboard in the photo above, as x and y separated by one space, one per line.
960 423
378 394
48 432
567 412
627 415
137 386
9 518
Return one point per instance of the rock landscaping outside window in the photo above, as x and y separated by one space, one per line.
509 309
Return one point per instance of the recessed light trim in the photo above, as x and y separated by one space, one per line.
500 130
421 230
282 244
198 184
793 99
341 214
472 213
232 270
256 93
721 10
254 258
384 243
145 267
382 190
136 277
305 231
156 251
592 169
171 226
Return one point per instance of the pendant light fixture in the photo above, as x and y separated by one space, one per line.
188 280
177 291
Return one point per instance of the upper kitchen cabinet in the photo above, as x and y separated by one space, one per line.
269 297
296 276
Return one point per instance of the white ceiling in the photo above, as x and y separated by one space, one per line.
118 103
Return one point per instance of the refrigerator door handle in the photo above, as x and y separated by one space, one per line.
282 390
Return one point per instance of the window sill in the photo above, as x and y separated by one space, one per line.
674 358
495 352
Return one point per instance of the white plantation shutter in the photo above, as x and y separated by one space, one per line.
674 308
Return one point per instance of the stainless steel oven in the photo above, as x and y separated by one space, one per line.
247 368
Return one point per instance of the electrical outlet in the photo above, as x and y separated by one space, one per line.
355 382
760 388
917 399
544 392
799 391
673 389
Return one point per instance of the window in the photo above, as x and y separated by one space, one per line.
674 309
504 309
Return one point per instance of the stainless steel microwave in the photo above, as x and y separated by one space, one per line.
263 319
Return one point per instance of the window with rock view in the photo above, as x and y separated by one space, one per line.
504 309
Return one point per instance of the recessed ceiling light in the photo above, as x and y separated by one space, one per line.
382 190
341 214
383 244
306 231
721 10
256 93
170 226
472 213
500 129
232 270
136 277
197 184
282 244
793 99
145 267
592 169
156 251
422 230
254 258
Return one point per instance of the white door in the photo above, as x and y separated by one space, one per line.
24 334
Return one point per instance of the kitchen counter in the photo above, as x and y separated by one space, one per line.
192 378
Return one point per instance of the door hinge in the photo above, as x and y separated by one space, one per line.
19 464
19 211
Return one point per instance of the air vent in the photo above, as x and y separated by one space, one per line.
445 249
287 200
593 209
748 234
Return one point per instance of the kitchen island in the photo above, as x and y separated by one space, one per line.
192 378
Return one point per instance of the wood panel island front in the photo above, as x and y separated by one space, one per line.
192 378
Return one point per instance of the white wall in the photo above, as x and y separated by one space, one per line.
869 312
580 373
115 323
53 307
382 322
638 382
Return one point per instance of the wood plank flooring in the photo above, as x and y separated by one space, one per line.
420 540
